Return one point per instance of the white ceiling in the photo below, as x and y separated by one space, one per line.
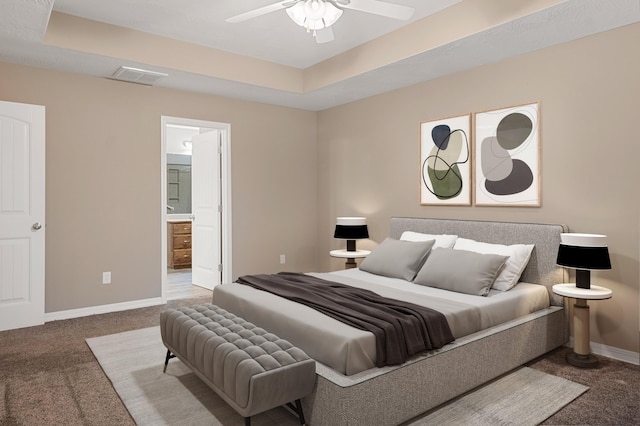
275 38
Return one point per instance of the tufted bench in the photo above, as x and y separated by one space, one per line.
251 369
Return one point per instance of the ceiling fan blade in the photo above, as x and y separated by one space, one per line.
259 12
381 8
324 35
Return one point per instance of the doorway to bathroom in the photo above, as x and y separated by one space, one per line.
196 207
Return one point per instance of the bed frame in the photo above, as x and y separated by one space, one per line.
392 395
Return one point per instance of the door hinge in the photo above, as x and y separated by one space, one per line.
219 208
220 267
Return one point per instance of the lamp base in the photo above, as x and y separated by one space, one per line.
583 278
582 361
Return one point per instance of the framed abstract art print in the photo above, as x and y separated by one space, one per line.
507 156
445 161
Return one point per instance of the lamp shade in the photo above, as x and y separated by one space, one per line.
351 228
583 251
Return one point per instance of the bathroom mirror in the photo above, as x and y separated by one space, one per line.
178 163
178 184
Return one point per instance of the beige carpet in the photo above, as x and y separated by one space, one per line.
133 361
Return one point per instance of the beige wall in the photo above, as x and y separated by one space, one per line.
295 171
589 92
103 182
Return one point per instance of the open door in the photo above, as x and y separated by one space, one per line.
22 215
206 210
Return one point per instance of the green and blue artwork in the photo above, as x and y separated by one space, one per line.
445 161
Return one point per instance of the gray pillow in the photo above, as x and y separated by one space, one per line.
461 271
397 259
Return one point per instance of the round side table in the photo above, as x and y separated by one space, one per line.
350 256
581 355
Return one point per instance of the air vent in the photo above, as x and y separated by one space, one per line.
136 75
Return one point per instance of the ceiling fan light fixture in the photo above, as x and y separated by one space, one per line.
314 14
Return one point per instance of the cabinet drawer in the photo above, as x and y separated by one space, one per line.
182 241
181 227
182 257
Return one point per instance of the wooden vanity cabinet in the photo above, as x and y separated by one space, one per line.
179 240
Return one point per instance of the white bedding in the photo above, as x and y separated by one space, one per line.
349 350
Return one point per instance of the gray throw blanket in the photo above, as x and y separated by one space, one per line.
401 329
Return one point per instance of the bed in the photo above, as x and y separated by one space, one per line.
494 334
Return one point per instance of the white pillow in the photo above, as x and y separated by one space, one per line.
519 255
442 240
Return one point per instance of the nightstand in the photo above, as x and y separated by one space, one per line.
581 355
350 256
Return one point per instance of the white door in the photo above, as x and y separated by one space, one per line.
205 202
22 160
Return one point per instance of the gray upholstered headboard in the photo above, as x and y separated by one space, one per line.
541 269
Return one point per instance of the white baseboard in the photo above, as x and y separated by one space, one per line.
102 309
612 352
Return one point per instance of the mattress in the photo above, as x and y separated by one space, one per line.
349 350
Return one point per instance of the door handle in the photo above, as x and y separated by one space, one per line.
36 226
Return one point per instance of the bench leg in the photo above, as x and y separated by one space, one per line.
298 409
166 360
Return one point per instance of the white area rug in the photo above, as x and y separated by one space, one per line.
523 397
134 360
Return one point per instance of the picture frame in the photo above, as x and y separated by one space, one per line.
507 156
445 161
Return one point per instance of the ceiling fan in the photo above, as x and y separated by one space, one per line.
317 16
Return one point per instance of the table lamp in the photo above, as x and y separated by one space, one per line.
351 229
583 252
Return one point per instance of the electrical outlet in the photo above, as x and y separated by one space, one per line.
283 259
106 278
